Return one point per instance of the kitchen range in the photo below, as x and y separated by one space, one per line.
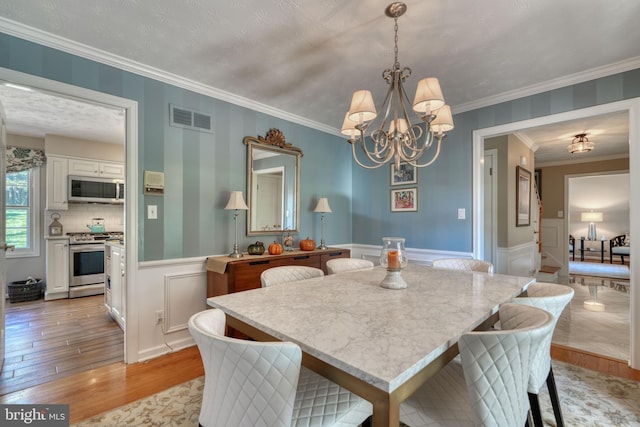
86 262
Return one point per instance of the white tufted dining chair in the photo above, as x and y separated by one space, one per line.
249 383
487 384
552 298
467 264
339 265
288 273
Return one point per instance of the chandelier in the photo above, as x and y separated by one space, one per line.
395 137
580 144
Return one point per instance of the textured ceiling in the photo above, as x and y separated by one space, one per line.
305 57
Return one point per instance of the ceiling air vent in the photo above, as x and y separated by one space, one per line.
184 118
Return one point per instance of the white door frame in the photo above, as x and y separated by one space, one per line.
131 184
632 106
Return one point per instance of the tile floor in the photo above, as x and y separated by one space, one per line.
597 319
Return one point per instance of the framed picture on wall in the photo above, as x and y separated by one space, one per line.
523 197
404 200
405 174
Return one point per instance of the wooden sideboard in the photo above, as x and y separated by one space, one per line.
241 274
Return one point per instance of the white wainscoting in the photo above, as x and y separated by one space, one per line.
417 256
178 288
555 244
517 260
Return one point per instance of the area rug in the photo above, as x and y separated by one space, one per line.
617 271
588 398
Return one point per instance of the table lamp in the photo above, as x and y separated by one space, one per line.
236 203
591 218
322 207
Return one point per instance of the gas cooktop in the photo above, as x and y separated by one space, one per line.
94 237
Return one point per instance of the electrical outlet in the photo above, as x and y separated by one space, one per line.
159 317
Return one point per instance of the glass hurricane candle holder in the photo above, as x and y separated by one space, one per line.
394 258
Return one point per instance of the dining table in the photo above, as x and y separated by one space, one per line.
381 344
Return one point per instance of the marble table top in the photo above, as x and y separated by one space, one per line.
381 336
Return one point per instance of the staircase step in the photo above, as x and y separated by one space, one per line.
549 269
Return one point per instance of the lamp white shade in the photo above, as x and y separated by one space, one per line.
428 96
236 201
362 107
591 217
323 205
443 121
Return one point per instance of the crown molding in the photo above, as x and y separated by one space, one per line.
53 41
585 160
581 77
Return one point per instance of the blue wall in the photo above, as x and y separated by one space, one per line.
446 185
200 168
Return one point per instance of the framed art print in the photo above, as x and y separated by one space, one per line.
404 200
405 174
523 197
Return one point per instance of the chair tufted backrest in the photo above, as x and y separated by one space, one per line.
552 298
496 364
340 265
288 273
247 383
467 264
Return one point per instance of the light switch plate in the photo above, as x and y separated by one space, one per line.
462 214
152 212
560 214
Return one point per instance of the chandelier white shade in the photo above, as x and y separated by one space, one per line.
580 144
397 135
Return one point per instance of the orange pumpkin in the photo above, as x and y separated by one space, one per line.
307 244
275 248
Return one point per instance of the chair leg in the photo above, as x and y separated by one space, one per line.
535 410
555 401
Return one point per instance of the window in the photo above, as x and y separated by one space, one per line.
22 219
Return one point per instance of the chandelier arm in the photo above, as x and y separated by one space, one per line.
355 157
435 156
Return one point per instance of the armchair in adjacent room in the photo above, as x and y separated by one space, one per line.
619 245
572 247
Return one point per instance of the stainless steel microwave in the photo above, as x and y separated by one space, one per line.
84 189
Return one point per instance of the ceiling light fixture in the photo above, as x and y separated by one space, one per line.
580 144
395 138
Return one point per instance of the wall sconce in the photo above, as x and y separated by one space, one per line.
236 203
322 207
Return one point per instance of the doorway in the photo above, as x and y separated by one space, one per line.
632 107
129 122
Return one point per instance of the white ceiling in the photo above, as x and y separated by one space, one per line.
305 57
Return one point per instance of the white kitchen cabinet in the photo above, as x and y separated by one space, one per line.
111 170
118 284
96 168
57 268
84 167
57 172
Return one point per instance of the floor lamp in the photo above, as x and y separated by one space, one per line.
322 207
236 203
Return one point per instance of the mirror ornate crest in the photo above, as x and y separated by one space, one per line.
273 184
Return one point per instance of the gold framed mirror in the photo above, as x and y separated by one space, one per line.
273 184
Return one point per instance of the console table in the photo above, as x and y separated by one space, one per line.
601 251
227 275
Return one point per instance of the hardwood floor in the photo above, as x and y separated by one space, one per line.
46 340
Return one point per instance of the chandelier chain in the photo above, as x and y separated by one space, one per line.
396 64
